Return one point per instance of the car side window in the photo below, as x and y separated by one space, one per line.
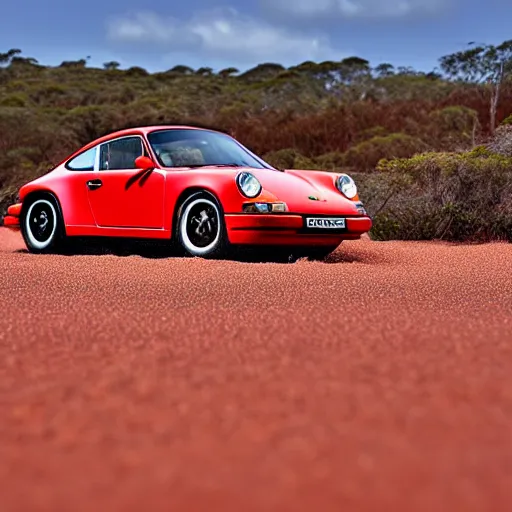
84 161
120 154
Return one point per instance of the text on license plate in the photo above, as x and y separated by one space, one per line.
325 223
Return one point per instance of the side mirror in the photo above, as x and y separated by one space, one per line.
145 163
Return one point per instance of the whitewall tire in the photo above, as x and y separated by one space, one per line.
201 229
41 225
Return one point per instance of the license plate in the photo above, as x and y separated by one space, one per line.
325 223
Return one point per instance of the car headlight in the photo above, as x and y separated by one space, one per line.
346 185
248 184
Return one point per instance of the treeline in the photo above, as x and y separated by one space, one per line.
343 115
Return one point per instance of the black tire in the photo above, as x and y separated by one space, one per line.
42 226
200 227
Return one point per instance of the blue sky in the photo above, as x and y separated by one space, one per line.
162 33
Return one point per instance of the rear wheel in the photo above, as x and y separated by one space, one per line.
201 230
42 226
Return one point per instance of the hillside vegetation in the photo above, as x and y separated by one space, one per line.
422 146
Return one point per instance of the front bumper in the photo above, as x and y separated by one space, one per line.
12 219
289 229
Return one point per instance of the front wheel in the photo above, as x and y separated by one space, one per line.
42 226
201 230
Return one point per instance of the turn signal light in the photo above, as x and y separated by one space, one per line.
264 207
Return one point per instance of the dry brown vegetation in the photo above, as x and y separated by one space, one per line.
334 116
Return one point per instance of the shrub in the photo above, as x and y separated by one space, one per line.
233 111
455 126
455 118
374 131
89 123
16 86
332 161
501 143
451 196
46 112
507 120
17 99
289 159
49 93
365 155
136 71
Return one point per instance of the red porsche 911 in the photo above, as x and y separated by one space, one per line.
196 188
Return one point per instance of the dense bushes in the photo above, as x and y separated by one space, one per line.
452 196
502 142
366 155
289 159
297 118
455 126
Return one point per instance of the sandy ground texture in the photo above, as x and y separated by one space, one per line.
378 380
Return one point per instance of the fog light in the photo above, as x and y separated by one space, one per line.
278 207
264 207
256 208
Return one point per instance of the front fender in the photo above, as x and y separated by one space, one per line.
220 183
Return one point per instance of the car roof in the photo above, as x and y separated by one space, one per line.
144 130
148 129
140 130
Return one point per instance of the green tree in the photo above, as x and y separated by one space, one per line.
73 63
24 60
182 70
6 58
263 71
111 65
354 70
383 70
332 75
355 65
434 75
406 70
224 73
136 71
204 71
484 64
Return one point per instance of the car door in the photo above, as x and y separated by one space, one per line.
121 195
73 193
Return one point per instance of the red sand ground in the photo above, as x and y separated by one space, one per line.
381 380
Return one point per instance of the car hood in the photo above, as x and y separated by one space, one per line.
306 191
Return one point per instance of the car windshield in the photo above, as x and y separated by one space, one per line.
199 148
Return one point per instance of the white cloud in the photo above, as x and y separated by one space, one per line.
222 35
354 8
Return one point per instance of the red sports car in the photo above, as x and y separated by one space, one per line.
198 188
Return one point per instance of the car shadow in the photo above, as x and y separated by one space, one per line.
155 250
158 250
106 248
121 248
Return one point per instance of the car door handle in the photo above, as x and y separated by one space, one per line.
94 184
